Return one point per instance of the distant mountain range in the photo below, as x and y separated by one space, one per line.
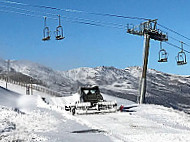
162 88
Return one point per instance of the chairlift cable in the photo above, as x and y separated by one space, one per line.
173 31
100 14
115 25
66 18
25 14
39 16
171 44
84 22
26 10
179 41
75 11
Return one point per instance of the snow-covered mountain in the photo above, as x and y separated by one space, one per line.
47 76
163 89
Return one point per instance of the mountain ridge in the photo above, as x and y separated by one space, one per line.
163 89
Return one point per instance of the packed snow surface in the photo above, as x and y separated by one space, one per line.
29 118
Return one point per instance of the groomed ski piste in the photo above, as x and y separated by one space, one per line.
31 118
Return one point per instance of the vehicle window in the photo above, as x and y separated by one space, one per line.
86 91
92 91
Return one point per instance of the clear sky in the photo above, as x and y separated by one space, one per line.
91 46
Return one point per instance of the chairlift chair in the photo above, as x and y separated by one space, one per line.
181 57
59 31
46 31
163 55
46 34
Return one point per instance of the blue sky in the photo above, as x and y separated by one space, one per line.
91 46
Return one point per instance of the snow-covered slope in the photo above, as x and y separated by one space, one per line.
48 122
163 89
148 123
26 118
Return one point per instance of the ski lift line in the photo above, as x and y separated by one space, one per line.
88 23
22 9
175 39
45 13
179 41
106 14
115 24
25 14
70 20
64 17
93 24
173 31
39 16
171 44
74 21
27 11
75 11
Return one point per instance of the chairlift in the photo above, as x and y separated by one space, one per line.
59 31
46 31
163 55
181 57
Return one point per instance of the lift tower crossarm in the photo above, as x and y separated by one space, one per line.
149 31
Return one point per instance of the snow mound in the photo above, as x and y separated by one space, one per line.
27 103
